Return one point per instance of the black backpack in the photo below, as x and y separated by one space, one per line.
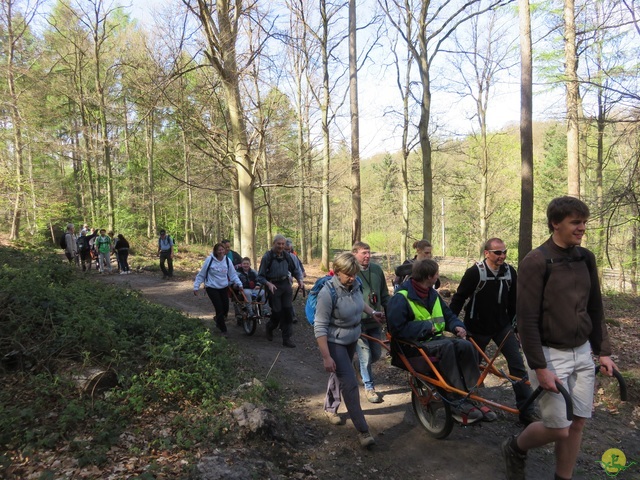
63 241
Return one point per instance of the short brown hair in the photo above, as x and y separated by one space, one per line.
357 246
561 207
488 243
423 269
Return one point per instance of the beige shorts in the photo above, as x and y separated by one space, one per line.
576 370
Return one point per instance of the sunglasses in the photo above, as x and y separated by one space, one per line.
498 252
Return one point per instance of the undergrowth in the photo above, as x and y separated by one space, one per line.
53 321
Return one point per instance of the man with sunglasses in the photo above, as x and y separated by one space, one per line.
376 296
490 287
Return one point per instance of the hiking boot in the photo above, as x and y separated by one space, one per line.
366 440
373 396
334 418
528 417
514 462
288 343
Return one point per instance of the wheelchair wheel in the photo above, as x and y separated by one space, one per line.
249 324
433 413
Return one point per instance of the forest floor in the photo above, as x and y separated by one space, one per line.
310 448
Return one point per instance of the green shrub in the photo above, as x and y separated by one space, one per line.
50 317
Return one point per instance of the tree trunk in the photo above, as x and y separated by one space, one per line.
326 158
149 150
16 119
571 78
526 132
356 205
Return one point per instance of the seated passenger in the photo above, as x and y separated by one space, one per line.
417 313
249 278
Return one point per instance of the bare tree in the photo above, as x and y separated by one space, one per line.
434 25
220 23
482 54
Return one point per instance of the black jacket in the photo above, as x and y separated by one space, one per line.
494 308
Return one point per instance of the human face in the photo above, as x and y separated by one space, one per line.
569 231
278 245
363 255
246 265
227 247
424 253
346 280
219 252
493 259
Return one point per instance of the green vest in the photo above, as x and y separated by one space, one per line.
421 313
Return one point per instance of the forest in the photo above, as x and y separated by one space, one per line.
326 121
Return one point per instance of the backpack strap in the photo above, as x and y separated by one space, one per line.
482 269
549 261
206 272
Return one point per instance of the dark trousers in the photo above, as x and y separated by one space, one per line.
165 255
457 362
343 382
281 302
123 260
72 258
220 299
511 352
85 258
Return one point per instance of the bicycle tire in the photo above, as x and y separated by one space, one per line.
432 412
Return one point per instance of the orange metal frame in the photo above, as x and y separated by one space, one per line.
438 381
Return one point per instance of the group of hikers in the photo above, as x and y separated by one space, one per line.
95 245
551 311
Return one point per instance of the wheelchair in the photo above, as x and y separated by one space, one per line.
249 312
431 394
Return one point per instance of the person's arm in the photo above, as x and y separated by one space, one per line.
513 295
384 290
233 277
451 320
200 276
465 290
528 308
262 273
327 360
296 272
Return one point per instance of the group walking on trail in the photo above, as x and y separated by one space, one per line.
546 319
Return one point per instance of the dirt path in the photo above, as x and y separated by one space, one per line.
403 449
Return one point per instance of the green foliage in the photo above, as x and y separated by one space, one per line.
50 317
